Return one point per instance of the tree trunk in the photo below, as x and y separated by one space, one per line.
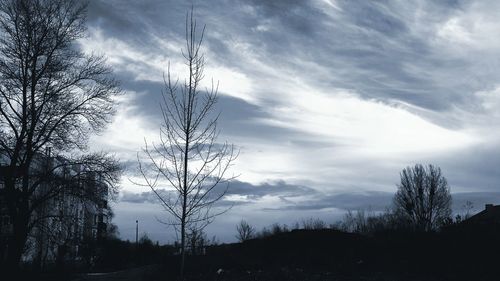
61 253
183 249
18 212
185 189
16 243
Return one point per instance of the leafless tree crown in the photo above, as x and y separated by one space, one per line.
244 231
187 168
423 197
52 97
188 158
51 94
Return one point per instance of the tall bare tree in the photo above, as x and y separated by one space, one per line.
423 197
52 96
188 158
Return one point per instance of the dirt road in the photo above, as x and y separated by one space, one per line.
134 274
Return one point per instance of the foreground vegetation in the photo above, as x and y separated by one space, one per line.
455 252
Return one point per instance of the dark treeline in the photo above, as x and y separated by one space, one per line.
109 254
361 245
115 254
314 250
456 252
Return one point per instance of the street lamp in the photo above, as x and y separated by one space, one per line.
136 232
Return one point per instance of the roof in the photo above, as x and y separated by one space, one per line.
490 215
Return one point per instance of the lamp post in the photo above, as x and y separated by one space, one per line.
136 232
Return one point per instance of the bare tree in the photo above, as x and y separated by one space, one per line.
467 208
187 167
52 96
197 241
423 197
313 224
244 231
355 222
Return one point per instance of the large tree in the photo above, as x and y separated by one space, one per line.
423 197
186 169
52 96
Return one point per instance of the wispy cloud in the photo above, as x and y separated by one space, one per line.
337 96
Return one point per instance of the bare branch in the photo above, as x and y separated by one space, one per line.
190 162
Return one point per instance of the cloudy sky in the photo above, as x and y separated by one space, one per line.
327 100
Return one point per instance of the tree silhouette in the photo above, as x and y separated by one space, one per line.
423 197
52 96
188 158
244 231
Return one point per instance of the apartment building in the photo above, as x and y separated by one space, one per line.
70 221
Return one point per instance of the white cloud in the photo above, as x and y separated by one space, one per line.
368 126
473 28
151 66
137 60
125 135
435 88
455 31
490 100
231 82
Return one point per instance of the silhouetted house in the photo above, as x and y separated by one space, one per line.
77 214
490 216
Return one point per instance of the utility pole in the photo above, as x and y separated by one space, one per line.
136 232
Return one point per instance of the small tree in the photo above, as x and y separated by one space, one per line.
197 241
244 231
423 197
188 158
355 222
313 224
467 208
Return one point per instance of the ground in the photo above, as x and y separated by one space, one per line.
155 272
134 274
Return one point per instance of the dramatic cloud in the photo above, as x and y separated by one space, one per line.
263 205
327 100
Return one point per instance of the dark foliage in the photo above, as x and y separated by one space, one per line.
458 252
52 98
115 254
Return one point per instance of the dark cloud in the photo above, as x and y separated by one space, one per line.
279 188
237 116
250 191
384 51
370 200
366 45
137 21
370 62
371 15
478 200
293 16
143 197
475 169
381 201
375 201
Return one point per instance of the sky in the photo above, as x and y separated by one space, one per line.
326 100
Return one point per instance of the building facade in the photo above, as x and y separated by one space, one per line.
73 216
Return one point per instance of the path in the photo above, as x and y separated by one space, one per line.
133 274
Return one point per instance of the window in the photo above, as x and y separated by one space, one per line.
5 220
